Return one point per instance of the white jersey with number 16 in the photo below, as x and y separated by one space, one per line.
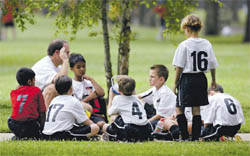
195 55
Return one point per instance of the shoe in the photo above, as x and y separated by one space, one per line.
108 137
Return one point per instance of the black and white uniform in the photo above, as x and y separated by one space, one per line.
64 115
225 113
195 56
132 123
164 101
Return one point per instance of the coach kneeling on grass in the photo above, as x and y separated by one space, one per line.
66 118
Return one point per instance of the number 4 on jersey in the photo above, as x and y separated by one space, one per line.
136 110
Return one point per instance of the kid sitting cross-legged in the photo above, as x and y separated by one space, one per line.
66 118
28 107
131 122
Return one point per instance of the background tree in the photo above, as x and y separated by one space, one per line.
73 15
247 32
212 18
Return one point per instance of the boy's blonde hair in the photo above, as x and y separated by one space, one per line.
126 85
192 22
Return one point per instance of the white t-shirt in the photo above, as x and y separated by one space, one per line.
45 71
130 108
64 111
195 55
163 99
225 110
82 89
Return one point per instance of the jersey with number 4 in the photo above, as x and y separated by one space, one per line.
195 55
130 108
27 102
64 111
224 110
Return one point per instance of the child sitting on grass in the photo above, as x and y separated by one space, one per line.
87 90
131 122
66 118
28 107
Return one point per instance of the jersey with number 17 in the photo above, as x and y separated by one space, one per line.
27 102
195 55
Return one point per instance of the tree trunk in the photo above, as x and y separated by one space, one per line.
124 44
247 32
212 20
234 8
107 62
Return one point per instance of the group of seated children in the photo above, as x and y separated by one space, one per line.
68 114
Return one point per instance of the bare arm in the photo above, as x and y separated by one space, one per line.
88 122
111 97
179 70
99 90
64 69
213 75
156 117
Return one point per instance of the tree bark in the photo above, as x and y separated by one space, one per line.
124 44
107 62
247 32
212 18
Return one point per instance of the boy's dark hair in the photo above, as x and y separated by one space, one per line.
56 44
63 84
217 89
126 85
74 58
23 75
161 70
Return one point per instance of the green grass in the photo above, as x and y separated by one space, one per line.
233 57
124 149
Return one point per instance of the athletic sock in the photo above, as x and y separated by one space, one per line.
196 127
182 122
174 130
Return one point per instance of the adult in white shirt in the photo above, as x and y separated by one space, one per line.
49 68
131 123
66 118
224 115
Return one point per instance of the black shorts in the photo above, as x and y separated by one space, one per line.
9 24
215 132
78 132
192 90
129 132
22 129
96 118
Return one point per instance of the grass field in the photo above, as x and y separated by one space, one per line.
233 57
31 148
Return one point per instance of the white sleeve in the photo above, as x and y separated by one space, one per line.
180 56
44 76
166 107
147 96
79 113
213 61
114 108
210 111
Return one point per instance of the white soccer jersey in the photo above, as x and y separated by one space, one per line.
163 99
195 55
130 108
45 71
224 110
82 89
64 111
147 96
